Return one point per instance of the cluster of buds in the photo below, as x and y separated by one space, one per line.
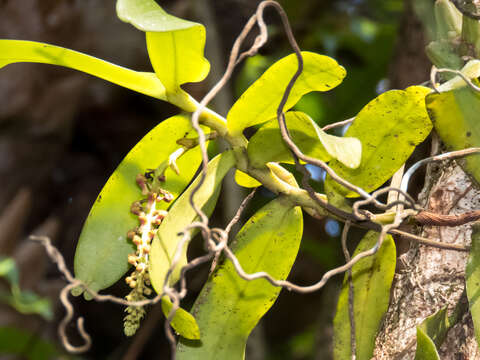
149 218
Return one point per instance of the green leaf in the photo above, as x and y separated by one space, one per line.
389 128
14 51
228 307
455 117
26 345
436 326
175 46
426 349
8 270
25 302
147 15
183 322
246 180
472 275
102 250
260 102
267 144
181 215
177 57
372 278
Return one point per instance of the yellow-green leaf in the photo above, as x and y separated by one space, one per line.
455 117
175 46
389 128
177 57
267 144
260 102
14 51
372 278
102 250
228 308
181 215
246 180
183 322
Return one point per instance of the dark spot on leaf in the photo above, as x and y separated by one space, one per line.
469 133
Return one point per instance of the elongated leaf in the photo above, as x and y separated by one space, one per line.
426 349
228 308
472 275
183 322
260 102
102 250
267 144
372 278
246 180
455 117
14 51
181 215
175 46
389 128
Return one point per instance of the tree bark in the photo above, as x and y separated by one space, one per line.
428 279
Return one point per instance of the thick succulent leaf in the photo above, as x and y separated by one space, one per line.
260 102
372 278
181 215
177 57
183 322
389 128
455 117
426 349
267 144
14 51
147 15
175 46
472 275
228 307
246 180
102 250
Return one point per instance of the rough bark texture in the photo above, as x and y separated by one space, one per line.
429 279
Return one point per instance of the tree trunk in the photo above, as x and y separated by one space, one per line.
428 279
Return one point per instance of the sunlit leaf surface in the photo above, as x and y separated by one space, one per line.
15 51
175 46
455 117
260 101
389 128
228 308
267 144
102 250
181 215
